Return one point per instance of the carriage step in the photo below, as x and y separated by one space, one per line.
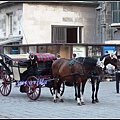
22 89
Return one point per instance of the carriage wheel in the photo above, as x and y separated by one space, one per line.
62 88
5 83
32 89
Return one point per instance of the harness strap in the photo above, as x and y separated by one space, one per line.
71 63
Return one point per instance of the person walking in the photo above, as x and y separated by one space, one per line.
73 56
58 56
106 52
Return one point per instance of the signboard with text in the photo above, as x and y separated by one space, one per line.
80 51
110 49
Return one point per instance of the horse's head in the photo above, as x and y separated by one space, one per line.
110 58
99 69
113 55
114 59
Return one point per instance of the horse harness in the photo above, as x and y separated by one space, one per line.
88 75
82 73
71 63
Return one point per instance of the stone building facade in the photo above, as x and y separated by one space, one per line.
48 22
53 22
108 25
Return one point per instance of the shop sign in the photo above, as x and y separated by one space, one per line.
80 51
110 49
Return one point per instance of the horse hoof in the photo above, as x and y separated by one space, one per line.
83 103
79 104
93 101
61 100
97 100
55 101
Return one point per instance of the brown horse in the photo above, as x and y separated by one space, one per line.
95 74
74 71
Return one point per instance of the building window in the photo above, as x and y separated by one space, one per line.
116 12
59 34
14 50
10 23
66 34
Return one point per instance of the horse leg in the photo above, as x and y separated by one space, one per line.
97 88
75 91
83 86
78 96
58 90
93 89
55 91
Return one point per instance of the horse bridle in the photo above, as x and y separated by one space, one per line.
100 63
113 55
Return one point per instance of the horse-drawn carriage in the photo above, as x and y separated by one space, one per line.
30 72
33 71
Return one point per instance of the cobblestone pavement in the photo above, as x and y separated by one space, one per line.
18 105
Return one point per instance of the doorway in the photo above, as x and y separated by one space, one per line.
71 35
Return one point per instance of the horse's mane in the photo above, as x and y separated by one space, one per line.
101 58
88 61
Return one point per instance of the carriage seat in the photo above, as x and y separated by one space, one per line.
24 63
44 71
44 68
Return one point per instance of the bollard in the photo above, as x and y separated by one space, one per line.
117 81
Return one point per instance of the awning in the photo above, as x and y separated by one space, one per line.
112 42
11 40
45 56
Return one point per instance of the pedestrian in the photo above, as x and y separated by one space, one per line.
106 52
58 56
110 69
73 55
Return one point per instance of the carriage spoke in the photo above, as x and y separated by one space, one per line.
33 91
5 90
2 89
6 85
